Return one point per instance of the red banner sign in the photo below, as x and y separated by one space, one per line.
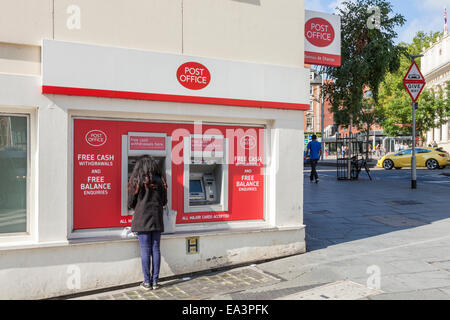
97 173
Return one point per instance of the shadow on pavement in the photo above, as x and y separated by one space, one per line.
342 211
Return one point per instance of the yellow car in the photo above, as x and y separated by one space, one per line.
432 158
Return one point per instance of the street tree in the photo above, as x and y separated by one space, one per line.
434 108
368 52
433 111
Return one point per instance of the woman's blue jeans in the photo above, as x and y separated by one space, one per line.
150 242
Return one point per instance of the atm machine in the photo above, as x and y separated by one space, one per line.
205 173
157 145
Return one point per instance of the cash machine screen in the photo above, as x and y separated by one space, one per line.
195 186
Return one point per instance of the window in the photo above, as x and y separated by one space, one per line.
419 150
13 173
404 152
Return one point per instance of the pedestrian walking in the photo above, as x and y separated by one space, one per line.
147 195
314 149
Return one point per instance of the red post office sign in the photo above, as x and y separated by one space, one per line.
322 39
193 75
319 32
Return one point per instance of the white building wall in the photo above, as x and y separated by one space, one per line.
36 265
436 70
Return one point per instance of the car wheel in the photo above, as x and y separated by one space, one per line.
398 168
432 164
388 164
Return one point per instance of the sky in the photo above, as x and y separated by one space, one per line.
425 15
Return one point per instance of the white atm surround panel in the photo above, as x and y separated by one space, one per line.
164 156
220 168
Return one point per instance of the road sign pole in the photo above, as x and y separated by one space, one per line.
413 158
414 83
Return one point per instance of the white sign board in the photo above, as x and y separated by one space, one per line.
322 39
90 70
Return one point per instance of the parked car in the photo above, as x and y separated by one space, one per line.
431 158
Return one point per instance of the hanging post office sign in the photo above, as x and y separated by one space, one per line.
322 39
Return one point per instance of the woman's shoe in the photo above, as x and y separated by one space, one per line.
146 286
155 286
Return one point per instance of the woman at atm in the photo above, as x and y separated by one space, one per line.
147 195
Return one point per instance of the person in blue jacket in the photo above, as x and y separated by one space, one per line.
314 149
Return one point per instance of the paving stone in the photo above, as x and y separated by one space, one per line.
412 266
340 290
430 294
442 265
201 287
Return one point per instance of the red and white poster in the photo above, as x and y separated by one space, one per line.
322 39
97 172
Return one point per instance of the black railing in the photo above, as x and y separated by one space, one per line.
353 153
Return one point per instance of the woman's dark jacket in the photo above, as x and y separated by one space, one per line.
148 205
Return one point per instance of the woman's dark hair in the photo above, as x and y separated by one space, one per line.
144 170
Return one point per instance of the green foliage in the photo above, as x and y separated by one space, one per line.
422 40
367 55
396 103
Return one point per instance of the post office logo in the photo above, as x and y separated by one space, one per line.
319 32
248 142
96 138
193 75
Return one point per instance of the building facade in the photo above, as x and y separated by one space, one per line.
436 70
313 116
214 90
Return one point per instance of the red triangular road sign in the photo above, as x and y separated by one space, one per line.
414 89
414 81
